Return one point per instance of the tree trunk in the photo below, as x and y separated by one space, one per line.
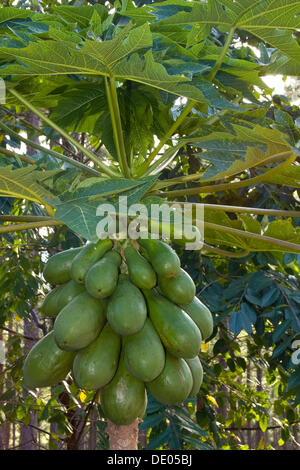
93 430
28 435
123 437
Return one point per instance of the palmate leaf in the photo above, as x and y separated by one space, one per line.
116 58
26 183
281 229
78 212
252 146
273 21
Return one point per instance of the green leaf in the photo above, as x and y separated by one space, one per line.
78 211
263 423
26 183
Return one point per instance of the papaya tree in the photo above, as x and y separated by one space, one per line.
156 102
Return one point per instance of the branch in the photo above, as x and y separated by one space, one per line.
24 218
256 236
29 225
18 334
51 152
228 186
243 210
17 156
104 168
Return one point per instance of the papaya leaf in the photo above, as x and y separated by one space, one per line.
25 183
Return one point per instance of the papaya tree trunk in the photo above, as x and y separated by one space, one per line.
123 437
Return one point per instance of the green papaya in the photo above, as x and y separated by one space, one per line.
101 279
96 365
197 373
79 322
177 331
179 289
174 384
124 399
126 310
163 258
57 268
70 290
140 270
49 306
144 354
201 315
89 255
46 364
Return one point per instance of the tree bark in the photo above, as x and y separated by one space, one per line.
93 430
123 437
28 435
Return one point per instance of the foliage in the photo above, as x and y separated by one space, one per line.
160 99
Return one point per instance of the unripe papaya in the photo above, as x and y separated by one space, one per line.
197 373
46 364
174 384
70 290
144 354
201 315
179 289
96 365
163 258
140 270
79 322
179 334
124 399
101 279
88 256
57 268
49 306
126 310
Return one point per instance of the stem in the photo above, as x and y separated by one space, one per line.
24 218
57 155
227 186
219 62
118 123
243 210
105 169
14 155
221 252
29 225
244 233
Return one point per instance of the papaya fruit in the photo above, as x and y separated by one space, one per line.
144 354
177 331
101 279
140 270
89 255
96 365
179 289
174 384
163 258
69 290
46 364
57 268
201 315
79 322
124 399
197 373
49 306
126 310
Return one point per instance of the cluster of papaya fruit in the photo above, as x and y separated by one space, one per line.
123 324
